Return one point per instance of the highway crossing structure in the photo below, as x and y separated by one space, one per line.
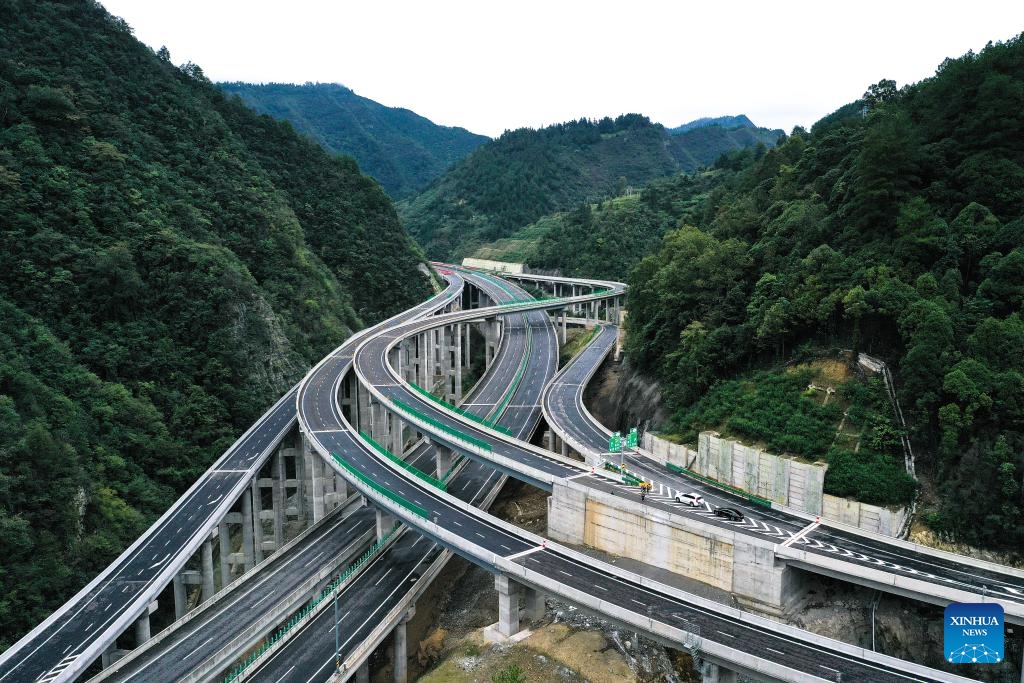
527 559
68 641
824 547
591 584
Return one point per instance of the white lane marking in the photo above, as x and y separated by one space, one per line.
314 558
727 635
383 576
290 669
778 652
523 553
566 573
197 648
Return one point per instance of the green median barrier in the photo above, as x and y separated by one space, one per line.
403 464
462 411
387 493
307 609
757 500
455 434
519 375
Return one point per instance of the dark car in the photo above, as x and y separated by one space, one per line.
730 513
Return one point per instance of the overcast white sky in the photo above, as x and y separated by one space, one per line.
490 66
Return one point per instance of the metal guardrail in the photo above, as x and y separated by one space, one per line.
387 493
416 472
461 411
437 424
757 500
272 643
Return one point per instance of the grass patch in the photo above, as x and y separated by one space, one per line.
815 411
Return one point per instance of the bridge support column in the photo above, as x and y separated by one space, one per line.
224 549
443 457
180 596
207 560
364 410
314 466
397 435
565 448
508 605
363 673
280 498
421 360
564 329
401 645
449 363
255 520
301 482
458 364
466 358
111 655
142 629
380 430
385 523
533 604
715 673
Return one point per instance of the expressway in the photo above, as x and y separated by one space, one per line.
446 519
395 578
70 639
747 643
566 414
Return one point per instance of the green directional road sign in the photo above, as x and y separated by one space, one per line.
631 439
615 442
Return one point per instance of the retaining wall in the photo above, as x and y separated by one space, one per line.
717 556
783 480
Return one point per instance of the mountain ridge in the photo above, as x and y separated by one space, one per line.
399 148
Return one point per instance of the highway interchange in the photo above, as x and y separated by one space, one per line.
453 524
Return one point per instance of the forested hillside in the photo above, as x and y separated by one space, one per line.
525 174
400 149
894 226
170 263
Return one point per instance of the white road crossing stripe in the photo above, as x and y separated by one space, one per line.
524 552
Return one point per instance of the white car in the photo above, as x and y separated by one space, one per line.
694 500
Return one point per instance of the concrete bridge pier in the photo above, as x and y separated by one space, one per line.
716 673
248 531
397 435
508 605
466 357
224 550
401 647
385 523
533 605
207 561
278 472
180 596
256 514
443 458
363 673
142 628
457 364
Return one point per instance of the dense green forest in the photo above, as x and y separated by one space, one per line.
525 174
893 226
400 149
171 263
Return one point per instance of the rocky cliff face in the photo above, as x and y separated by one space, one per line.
620 398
